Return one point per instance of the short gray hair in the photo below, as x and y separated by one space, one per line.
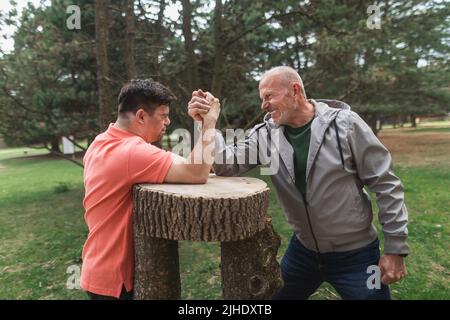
288 74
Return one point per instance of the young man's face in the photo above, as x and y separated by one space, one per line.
154 124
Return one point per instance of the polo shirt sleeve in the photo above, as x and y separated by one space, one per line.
148 164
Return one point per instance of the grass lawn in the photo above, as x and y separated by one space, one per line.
20 152
42 228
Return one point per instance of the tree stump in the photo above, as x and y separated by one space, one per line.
230 210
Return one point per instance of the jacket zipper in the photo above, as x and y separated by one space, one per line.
309 222
305 203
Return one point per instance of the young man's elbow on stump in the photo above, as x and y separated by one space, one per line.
123 156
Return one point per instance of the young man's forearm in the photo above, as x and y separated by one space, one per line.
201 157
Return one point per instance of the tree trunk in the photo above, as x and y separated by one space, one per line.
131 34
101 40
192 67
219 53
159 34
162 7
402 121
372 122
413 121
157 271
55 145
230 210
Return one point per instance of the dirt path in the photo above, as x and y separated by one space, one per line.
418 149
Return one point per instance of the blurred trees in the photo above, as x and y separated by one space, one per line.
49 87
47 83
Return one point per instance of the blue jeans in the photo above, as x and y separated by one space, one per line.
303 271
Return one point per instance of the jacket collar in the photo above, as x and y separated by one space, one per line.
325 112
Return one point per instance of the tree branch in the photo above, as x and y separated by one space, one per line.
276 16
61 155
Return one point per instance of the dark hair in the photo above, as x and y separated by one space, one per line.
143 93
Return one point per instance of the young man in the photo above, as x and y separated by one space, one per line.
121 157
327 154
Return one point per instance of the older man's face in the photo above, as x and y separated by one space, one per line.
276 98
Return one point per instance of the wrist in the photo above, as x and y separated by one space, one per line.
209 123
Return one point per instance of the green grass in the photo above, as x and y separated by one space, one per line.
428 201
21 152
417 130
42 231
41 227
431 124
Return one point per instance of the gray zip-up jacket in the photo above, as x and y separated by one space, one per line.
335 214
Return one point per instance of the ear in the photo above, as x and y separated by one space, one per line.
140 116
297 90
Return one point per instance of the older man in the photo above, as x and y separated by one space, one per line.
326 154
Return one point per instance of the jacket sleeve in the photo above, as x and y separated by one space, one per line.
234 160
374 166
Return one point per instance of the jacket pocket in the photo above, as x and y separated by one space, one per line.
360 211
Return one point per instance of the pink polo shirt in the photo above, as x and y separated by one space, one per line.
113 163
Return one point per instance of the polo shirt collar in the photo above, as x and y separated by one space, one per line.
116 132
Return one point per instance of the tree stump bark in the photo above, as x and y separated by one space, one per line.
230 210
157 271
249 267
